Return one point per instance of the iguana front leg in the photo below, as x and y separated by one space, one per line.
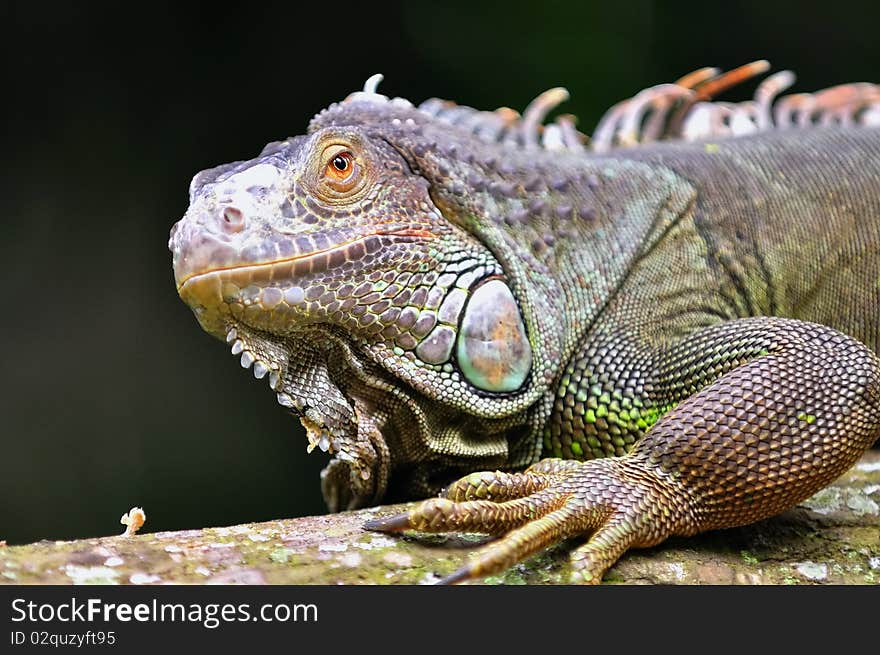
780 409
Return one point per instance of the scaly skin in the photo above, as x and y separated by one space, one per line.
437 291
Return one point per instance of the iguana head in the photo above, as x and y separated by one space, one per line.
360 271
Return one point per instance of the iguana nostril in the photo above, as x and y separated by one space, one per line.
232 219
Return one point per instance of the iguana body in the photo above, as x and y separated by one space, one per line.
435 299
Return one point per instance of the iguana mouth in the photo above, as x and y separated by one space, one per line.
225 295
314 261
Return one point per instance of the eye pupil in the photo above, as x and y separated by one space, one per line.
340 163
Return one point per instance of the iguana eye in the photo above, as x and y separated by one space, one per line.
342 171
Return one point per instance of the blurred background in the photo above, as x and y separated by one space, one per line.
112 396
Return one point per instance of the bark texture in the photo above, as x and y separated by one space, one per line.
834 537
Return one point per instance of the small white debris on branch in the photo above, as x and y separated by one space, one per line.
133 520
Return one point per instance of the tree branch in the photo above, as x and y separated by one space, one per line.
834 537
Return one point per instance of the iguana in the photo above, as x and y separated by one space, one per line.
437 290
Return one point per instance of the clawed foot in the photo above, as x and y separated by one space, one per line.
618 500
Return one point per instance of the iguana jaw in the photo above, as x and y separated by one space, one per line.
280 296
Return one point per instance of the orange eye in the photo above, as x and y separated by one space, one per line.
341 166
342 173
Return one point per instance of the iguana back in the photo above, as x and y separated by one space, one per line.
790 223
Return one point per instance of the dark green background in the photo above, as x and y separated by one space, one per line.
112 396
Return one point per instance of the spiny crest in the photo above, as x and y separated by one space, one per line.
683 110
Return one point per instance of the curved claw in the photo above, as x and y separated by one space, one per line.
536 535
621 500
483 516
396 523
521 543
462 574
